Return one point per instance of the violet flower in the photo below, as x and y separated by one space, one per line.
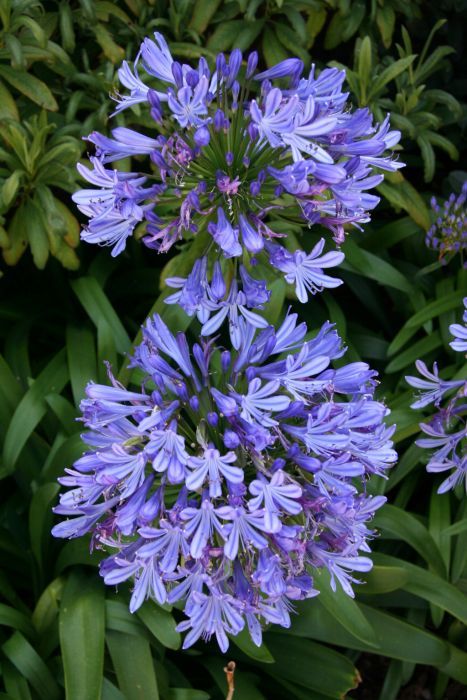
232 475
446 429
229 151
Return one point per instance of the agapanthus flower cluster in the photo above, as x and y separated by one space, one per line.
448 234
230 476
232 152
447 428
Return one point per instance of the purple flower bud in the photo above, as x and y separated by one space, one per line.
194 403
252 239
159 160
218 286
255 188
219 118
278 463
229 157
290 66
266 87
220 63
192 78
212 418
177 74
150 510
203 67
231 440
156 107
246 161
235 62
181 390
225 360
253 131
251 64
278 190
202 136
235 93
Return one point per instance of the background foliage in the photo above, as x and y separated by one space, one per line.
65 308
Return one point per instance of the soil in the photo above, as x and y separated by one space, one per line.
421 686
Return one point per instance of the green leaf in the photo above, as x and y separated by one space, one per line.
248 34
10 188
64 411
435 308
203 11
459 558
133 664
334 31
244 642
10 617
40 519
354 19
37 236
418 349
119 619
344 609
66 451
100 310
402 195
161 624
47 608
112 51
32 87
429 586
81 626
76 552
315 23
295 658
374 267
389 74
400 339
223 37
272 48
187 694
385 21
364 66
397 639
32 408
429 158
404 526
383 579
28 662
8 108
110 692
409 460
15 683
456 528
81 354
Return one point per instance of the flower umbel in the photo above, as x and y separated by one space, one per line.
236 160
447 428
448 235
230 476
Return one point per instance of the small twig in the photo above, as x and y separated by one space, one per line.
229 671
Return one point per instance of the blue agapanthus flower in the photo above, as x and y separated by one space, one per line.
234 158
447 428
448 234
229 477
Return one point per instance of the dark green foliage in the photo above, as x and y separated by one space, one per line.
62 633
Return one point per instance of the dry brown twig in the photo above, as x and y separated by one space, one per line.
229 671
